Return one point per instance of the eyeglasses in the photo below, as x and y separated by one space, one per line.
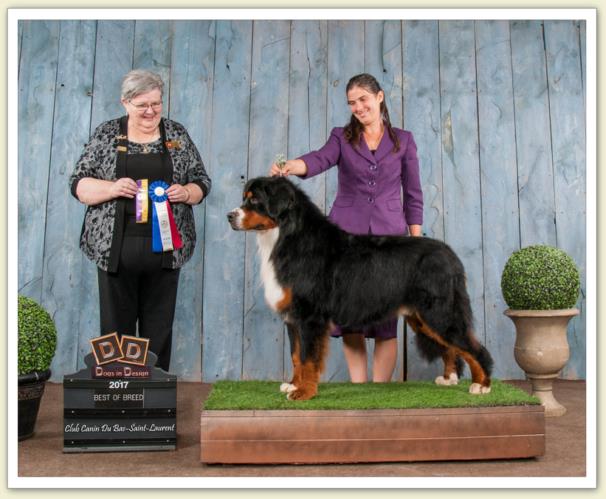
143 107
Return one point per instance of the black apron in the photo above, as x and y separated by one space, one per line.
159 162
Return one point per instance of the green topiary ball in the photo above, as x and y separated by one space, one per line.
37 337
540 278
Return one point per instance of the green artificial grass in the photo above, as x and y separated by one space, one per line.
247 395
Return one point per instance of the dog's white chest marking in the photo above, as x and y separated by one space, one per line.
273 291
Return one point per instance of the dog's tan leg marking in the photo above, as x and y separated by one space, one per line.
480 382
310 372
450 369
478 376
296 368
308 386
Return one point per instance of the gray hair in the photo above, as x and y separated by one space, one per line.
140 81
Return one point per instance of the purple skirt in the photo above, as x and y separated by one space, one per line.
384 331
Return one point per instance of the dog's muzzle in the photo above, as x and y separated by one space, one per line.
233 217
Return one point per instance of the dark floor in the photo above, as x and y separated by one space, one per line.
42 454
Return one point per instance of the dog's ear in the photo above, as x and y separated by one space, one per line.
280 197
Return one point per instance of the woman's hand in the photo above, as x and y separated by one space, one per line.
178 193
189 193
123 188
92 191
291 167
415 230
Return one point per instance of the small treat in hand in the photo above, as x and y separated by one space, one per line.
280 160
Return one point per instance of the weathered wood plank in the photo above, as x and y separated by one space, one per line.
582 28
533 142
383 60
36 107
567 113
113 59
460 156
421 90
421 96
263 339
191 89
152 50
345 59
223 300
307 94
499 183
306 121
62 283
19 45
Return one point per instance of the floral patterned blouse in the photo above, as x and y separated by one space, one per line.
99 161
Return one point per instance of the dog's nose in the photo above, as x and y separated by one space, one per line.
231 216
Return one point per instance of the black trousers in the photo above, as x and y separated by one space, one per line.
140 291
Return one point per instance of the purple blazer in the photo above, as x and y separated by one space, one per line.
368 194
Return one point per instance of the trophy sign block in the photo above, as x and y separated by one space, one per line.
120 401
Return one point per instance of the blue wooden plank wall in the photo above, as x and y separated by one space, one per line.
496 108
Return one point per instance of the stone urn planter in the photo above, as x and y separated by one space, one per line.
541 285
541 350
36 348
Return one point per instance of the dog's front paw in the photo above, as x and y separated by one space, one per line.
478 389
287 387
453 379
301 394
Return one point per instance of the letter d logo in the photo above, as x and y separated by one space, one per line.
106 348
135 350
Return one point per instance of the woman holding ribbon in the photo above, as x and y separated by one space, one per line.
139 176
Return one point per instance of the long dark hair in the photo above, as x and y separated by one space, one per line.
354 128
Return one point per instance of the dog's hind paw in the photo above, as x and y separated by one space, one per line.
478 389
453 379
287 387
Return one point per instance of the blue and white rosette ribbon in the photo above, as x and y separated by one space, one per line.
165 236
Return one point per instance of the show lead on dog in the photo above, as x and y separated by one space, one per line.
139 176
374 160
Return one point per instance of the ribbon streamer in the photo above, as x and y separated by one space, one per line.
141 201
165 236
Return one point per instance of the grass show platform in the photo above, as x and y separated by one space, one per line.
252 422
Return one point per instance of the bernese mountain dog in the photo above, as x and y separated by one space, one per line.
316 275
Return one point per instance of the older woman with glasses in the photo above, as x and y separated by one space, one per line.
139 177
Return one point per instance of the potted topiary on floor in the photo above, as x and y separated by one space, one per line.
36 348
541 284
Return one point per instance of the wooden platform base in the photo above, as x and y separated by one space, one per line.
302 436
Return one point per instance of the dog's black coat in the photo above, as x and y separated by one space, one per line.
356 280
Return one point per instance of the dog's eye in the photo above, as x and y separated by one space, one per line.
254 201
